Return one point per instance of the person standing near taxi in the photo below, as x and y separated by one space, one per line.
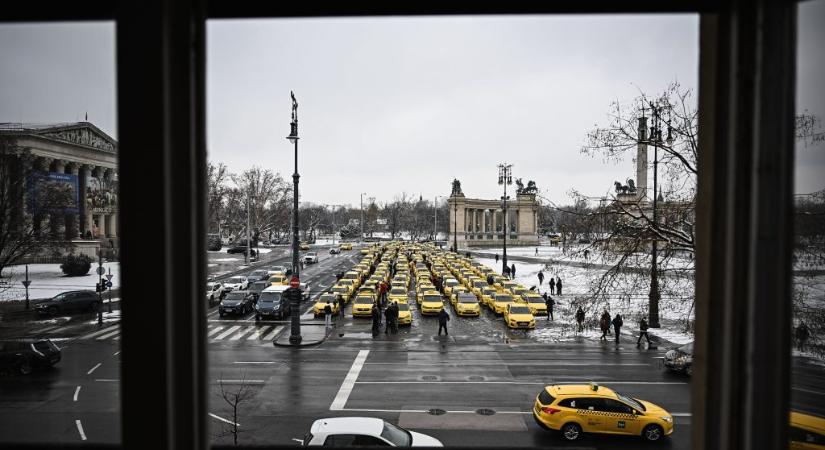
443 318
617 325
328 316
552 286
341 306
580 319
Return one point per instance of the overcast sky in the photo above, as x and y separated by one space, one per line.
404 104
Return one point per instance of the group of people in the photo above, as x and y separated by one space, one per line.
605 322
554 283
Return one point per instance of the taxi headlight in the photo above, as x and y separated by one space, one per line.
668 419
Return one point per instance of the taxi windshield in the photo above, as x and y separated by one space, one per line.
535 300
432 298
631 401
503 298
519 310
403 307
363 300
398 291
467 299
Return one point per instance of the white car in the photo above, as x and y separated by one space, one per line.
311 258
236 283
214 291
364 432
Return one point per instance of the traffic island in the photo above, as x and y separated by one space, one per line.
311 334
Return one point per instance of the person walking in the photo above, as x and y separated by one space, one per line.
541 277
617 326
376 321
537 251
586 254
580 319
341 305
383 294
443 318
328 316
552 284
506 271
496 257
642 332
558 286
604 324
387 319
490 280
549 302
394 318
513 270
802 334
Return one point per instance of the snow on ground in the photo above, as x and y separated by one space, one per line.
47 280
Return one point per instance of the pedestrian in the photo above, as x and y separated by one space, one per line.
443 318
383 294
549 302
468 255
604 325
506 271
552 286
617 326
376 321
513 270
802 335
388 319
580 319
496 257
643 332
558 286
328 316
341 304
490 280
394 317
541 277
586 253
537 251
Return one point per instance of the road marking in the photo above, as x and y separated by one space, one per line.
242 381
212 313
46 330
214 330
76 391
96 333
116 353
93 369
678 414
242 333
255 362
227 332
224 420
487 362
111 380
259 333
108 335
272 334
349 381
80 429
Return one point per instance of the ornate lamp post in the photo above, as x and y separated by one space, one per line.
435 219
505 177
295 334
360 239
655 139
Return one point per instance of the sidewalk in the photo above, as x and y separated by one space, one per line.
311 334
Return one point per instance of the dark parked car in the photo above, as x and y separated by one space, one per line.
24 356
334 250
680 359
258 275
69 301
241 249
237 302
271 304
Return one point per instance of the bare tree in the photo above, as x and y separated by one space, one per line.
235 398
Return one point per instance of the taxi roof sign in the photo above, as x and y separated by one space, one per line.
594 386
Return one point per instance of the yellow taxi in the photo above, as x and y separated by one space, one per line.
350 284
318 309
807 431
346 246
535 302
467 305
397 294
449 284
353 275
500 303
458 290
343 290
519 316
366 251
404 314
477 286
431 303
517 292
575 409
487 296
278 279
362 305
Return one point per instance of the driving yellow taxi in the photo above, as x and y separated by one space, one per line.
346 246
519 316
278 278
577 409
404 314
431 303
467 305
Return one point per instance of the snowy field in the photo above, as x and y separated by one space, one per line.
47 280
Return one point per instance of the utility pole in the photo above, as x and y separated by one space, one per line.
100 272
361 239
455 224
435 219
333 225
295 306
248 244
26 283
505 177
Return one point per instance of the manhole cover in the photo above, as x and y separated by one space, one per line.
429 378
485 412
436 412
475 378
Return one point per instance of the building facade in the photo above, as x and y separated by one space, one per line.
481 222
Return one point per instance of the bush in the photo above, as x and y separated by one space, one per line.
76 265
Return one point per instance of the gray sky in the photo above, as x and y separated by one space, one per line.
404 104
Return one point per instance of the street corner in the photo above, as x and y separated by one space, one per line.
310 336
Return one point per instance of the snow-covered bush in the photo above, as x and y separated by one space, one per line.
76 265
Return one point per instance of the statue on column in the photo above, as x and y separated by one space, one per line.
519 186
456 188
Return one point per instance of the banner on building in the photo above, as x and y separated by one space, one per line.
51 192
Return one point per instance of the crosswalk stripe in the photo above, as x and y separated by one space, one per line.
46 330
214 330
99 332
227 333
242 333
260 333
272 333
116 337
108 335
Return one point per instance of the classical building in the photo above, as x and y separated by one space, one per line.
79 161
481 222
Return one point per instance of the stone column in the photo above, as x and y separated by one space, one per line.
484 221
83 212
101 226
113 225
475 220
72 228
57 220
494 213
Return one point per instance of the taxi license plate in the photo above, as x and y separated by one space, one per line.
522 324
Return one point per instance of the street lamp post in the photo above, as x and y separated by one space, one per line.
656 140
248 244
295 332
361 239
435 219
455 224
505 177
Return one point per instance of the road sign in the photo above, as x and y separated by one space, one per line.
295 283
26 282
108 284
101 270
109 277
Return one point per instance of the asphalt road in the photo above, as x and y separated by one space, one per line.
473 387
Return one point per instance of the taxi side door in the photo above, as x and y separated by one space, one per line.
619 418
590 419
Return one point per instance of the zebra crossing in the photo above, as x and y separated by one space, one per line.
215 333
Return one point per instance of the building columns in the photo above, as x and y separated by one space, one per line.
72 228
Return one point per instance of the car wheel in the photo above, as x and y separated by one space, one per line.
571 431
652 433
53 310
25 367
